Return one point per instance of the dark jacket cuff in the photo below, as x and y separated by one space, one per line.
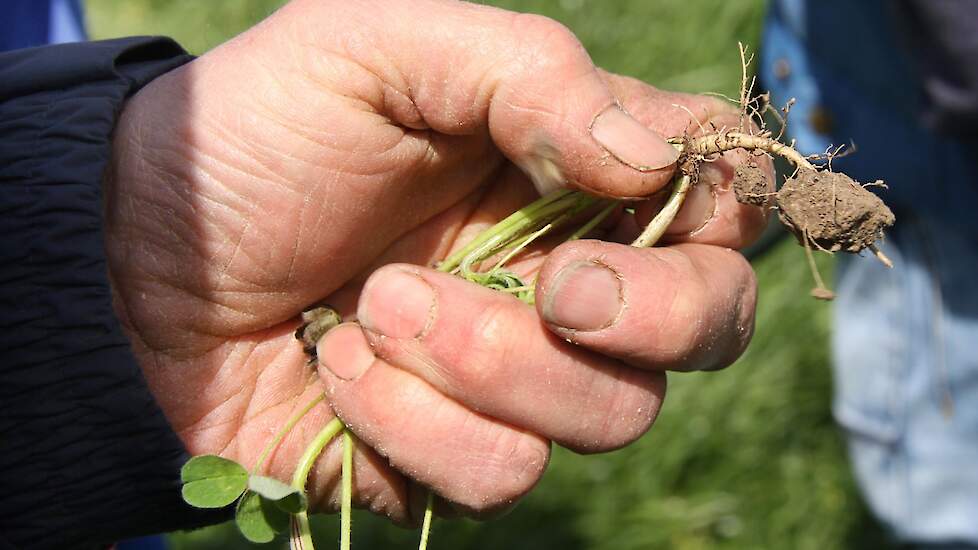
87 456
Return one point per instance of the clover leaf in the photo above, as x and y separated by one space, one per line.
286 497
210 481
259 519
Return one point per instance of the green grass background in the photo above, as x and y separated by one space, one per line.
747 458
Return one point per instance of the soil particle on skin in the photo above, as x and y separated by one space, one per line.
835 211
316 322
751 186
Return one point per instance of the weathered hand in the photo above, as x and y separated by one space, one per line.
288 165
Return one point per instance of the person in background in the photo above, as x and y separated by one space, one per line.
29 23
900 81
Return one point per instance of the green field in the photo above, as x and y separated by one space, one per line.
748 458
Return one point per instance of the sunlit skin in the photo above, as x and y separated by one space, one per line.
294 163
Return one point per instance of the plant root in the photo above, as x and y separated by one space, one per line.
723 141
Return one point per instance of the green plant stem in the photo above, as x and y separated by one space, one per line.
518 224
597 219
516 289
284 431
301 537
519 248
534 225
657 227
426 523
516 218
312 452
346 498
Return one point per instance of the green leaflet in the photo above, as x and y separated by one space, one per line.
210 481
284 496
259 519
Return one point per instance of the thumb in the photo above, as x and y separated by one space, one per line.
463 69
555 117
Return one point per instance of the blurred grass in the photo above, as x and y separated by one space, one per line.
746 458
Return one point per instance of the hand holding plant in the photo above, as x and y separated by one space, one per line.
291 165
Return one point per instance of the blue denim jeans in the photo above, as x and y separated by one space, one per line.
905 340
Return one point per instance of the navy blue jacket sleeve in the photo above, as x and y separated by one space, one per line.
86 455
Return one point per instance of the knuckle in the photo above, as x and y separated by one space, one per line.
512 468
711 321
625 415
744 305
545 42
679 325
487 342
681 334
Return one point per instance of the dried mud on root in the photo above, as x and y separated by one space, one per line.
750 185
832 211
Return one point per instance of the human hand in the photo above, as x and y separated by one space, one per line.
289 164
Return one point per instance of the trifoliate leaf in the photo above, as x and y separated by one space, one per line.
286 497
258 519
210 481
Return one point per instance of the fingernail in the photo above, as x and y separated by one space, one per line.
345 352
698 209
631 142
584 296
396 303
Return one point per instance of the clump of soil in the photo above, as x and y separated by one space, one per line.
832 210
751 185
316 322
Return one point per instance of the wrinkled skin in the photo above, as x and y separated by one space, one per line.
337 144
